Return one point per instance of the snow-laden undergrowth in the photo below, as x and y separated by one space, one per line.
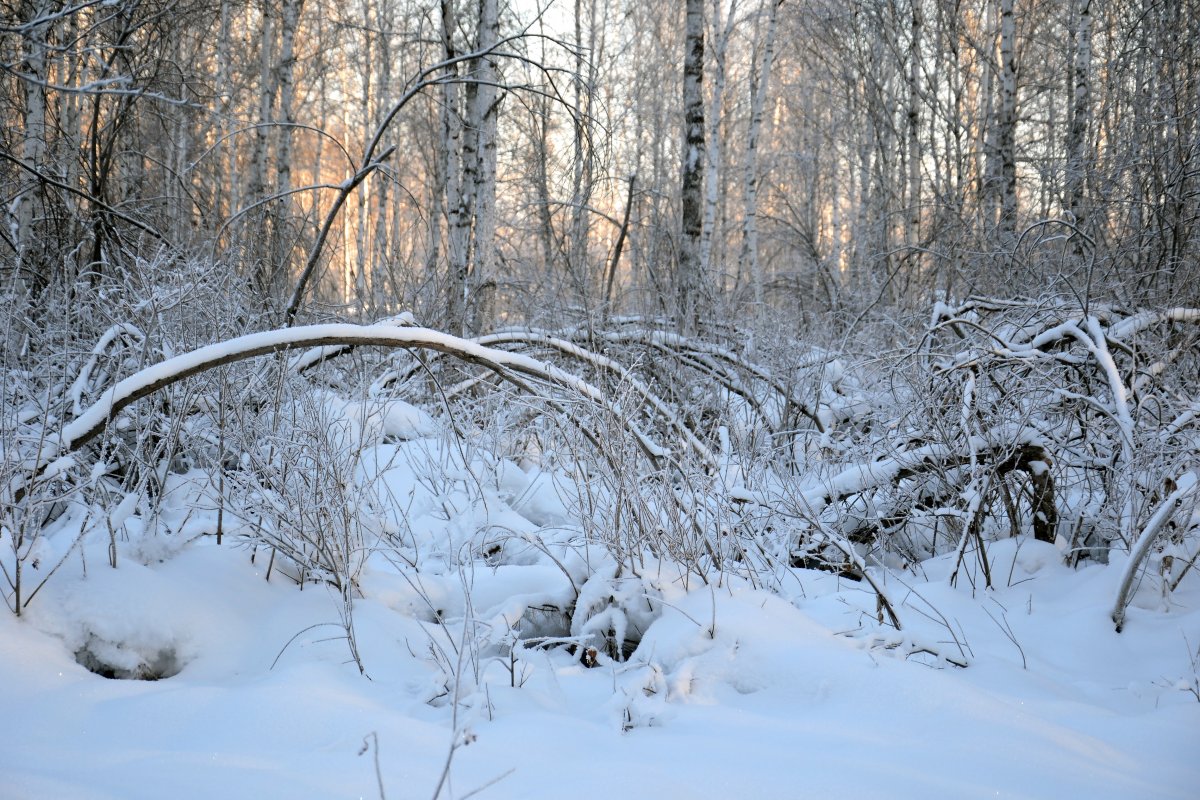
681 573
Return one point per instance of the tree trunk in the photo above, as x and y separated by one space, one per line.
1080 121
581 185
362 244
224 199
285 71
545 213
458 221
30 273
758 94
691 279
913 219
483 117
1007 123
722 30
383 288
987 147
263 270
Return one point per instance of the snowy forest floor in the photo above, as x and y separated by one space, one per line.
658 570
731 691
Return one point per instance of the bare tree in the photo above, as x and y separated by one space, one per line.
722 26
29 201
749 263
1000 180
691 280
1081 113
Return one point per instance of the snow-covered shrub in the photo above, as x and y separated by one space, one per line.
297 489
613 611
1044 419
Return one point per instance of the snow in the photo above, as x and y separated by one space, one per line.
766 702
361 420
731 689
475 576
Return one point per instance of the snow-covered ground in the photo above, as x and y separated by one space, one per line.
733 691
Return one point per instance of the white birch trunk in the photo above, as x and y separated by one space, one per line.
987 161
33 149
458 219
382 287
266 101
758 94
691 269
1007 122
541 109
286 81
1080 120
264 269
225 186
581 172
70 127
913 219
485 117
722 29
362 246
545 212
436 204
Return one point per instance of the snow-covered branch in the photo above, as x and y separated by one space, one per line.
1184 486
89 424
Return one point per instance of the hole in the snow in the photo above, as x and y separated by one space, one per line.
116 662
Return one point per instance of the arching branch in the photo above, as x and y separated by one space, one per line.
508 366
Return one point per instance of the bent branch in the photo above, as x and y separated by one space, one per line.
96 418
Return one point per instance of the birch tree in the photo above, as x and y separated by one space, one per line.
382 279
1080 119
457 183
691 280
759 85
29 200
285 80
722 25
1004 171
583 84
484 116
469 130
264 271
913 154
